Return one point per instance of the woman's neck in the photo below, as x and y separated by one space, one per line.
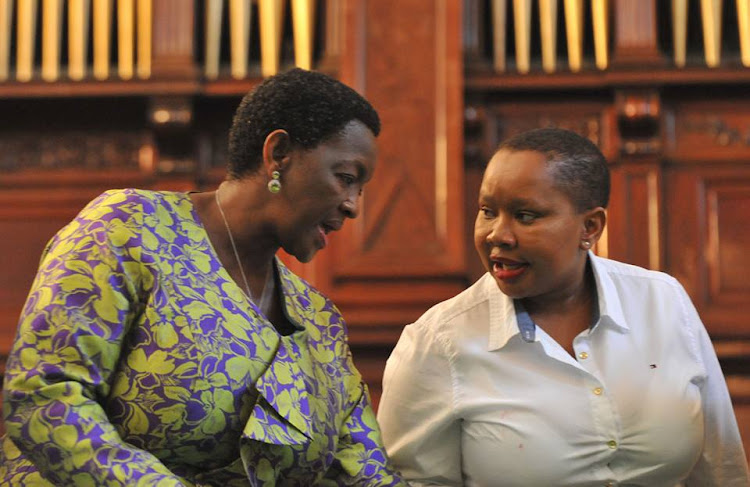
244 208
255 250
576 299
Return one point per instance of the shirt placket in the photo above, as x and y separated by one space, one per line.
604 415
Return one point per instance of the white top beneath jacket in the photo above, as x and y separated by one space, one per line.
468 401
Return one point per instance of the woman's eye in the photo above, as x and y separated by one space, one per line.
526 217
486 212
348 179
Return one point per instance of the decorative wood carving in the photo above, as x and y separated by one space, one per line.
709 131
73 150
638 117
487 126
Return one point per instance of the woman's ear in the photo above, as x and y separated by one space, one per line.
594 221
276 150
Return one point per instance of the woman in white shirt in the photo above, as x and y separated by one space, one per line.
557 367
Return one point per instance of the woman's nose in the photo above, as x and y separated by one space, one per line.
350 206
502 234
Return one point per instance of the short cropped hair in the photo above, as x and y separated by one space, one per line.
310 106
579 168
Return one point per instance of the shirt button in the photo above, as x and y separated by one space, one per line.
598 391
612 444
583 355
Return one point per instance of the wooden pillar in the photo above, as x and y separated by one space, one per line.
636 35
173 39
635 228
405 252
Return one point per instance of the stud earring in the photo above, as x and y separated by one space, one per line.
274 185
586 244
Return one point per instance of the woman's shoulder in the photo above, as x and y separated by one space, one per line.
440 317
130 198
132 204
620 270
125 196
624 275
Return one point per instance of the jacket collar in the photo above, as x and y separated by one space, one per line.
282 414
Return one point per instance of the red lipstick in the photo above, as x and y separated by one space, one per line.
505 269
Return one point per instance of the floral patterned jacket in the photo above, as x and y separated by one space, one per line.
138 361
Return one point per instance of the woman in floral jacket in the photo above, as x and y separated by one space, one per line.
143 356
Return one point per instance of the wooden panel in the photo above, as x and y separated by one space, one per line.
742 412
708 241
727 210
739 388
634 217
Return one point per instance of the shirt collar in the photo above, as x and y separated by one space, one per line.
610 307
503 321
508 319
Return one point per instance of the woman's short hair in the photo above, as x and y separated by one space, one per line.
310 106
579 168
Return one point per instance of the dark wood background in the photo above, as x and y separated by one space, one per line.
678 140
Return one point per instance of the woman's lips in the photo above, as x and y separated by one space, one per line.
508 270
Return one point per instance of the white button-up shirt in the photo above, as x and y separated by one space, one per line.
475 394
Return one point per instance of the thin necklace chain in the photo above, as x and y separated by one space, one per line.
265 298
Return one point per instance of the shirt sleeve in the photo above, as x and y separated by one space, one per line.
421 431
360 458
69 341
722 462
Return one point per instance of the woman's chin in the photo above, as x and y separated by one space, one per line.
510 290
305 255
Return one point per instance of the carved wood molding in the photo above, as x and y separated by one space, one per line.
74 150
639 115
708 132
486 126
